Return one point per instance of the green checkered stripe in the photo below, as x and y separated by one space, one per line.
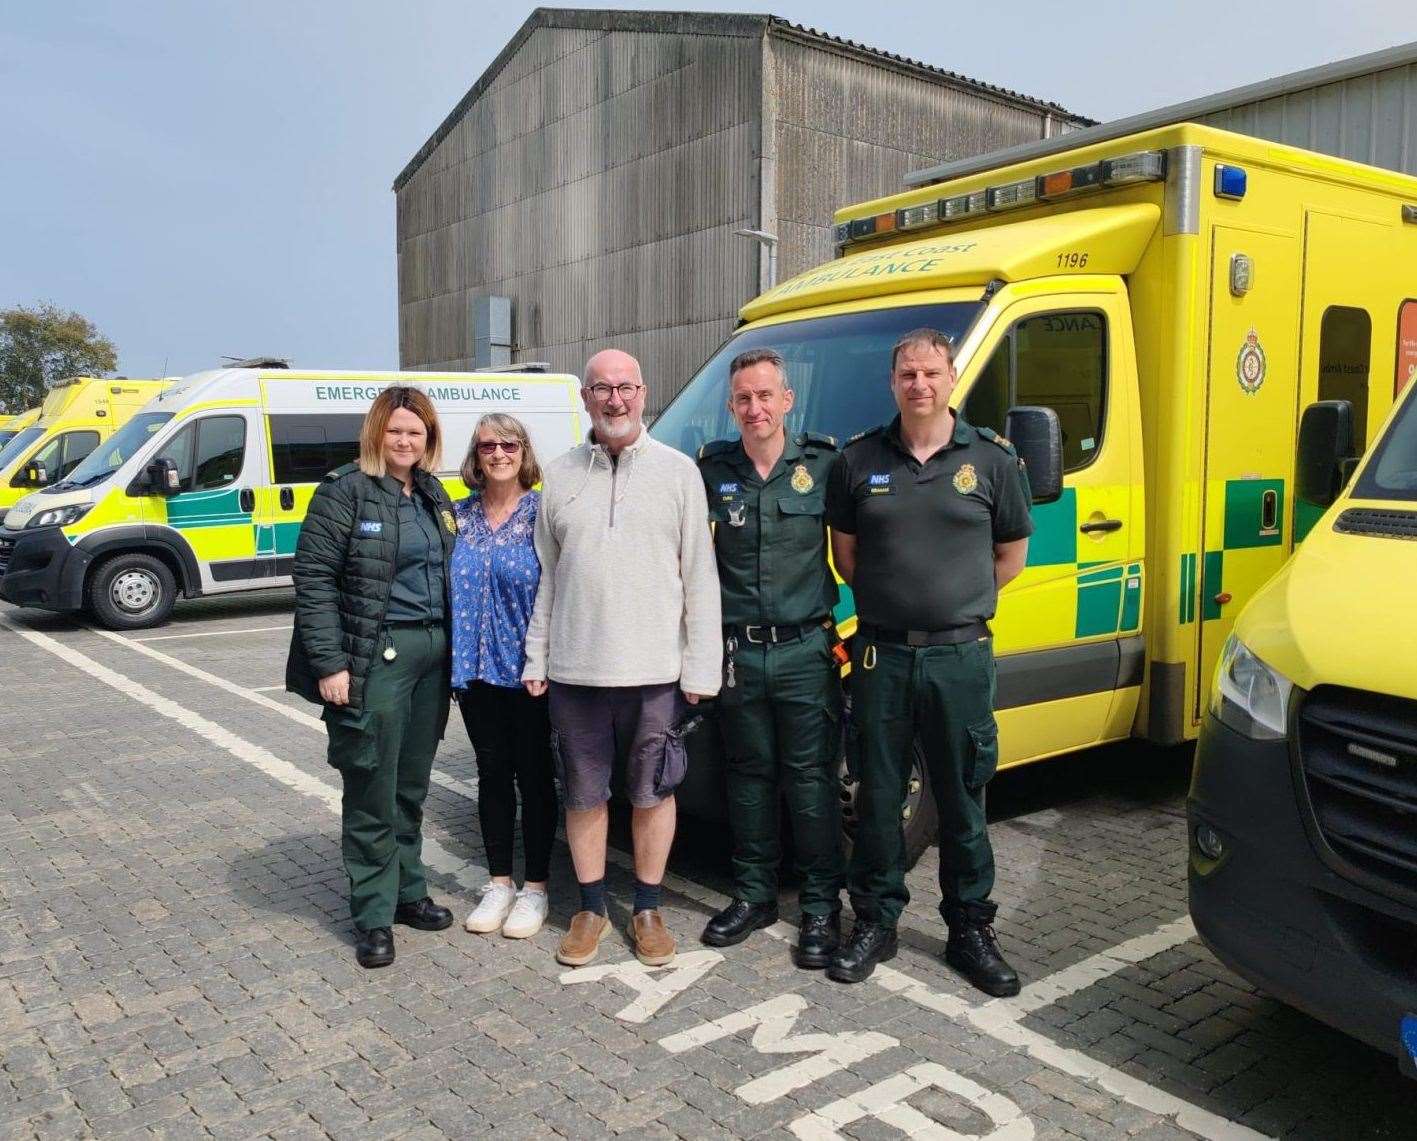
1244 508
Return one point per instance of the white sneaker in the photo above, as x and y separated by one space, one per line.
491 910
528 914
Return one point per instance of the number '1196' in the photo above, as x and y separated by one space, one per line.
1074 260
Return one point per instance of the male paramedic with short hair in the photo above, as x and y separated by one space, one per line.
929 518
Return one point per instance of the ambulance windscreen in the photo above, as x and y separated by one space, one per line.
838 366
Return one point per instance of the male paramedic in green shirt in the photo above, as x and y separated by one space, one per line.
929 518
779 706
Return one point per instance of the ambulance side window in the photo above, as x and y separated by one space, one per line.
1345 355
305 448
1059 361
179 451
221 451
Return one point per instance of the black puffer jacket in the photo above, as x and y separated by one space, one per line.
344 567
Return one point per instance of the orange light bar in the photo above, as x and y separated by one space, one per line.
1058 183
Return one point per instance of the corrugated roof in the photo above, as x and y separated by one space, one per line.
1400 56
710 23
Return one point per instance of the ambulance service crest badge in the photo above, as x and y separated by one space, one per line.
802 481
965 479
449 523
1250 365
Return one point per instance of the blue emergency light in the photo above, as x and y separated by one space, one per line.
1229 182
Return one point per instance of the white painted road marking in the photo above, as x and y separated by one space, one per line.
202 633
999 1018
653 986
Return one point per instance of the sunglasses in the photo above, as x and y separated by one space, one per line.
490 447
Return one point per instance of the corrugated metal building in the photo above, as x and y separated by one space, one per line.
596 173
1363 109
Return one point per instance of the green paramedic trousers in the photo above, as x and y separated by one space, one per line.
942 696
780 720
385 756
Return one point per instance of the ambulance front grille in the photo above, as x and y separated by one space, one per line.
1370 521
6 546
1358 759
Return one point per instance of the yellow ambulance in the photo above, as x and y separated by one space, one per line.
11 426
204 490
76 415
1174 298
1303 802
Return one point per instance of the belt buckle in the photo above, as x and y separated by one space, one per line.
917 638
748 633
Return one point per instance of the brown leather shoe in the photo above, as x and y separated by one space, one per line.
654 946
582 941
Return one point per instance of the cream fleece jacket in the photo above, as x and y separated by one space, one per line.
629 584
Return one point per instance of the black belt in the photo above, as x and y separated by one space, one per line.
409 623
971 632
758 635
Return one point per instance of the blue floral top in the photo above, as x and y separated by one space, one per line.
494 576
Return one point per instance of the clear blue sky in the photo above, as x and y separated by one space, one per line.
213 177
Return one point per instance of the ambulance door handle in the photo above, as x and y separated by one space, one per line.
287 499
248 499
1093 526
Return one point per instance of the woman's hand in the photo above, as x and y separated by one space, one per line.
535 688
335 688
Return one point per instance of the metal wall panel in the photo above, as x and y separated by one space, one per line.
597 182
1369 118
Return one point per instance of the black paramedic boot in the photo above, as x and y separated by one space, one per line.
737 921
973 951
818 939
423 914
870 944
374 948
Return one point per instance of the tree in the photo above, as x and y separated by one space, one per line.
43 345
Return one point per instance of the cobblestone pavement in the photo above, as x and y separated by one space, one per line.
175 953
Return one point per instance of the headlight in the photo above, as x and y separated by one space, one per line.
60 516
1249 696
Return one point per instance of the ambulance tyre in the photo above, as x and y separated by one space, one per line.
920 819
129 592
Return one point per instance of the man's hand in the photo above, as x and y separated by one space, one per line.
335 688
535 688
694 698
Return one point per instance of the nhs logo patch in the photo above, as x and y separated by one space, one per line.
881 479
370 527
879 483
728 489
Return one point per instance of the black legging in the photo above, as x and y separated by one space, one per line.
511 735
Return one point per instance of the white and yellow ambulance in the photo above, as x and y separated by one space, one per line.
11 426
76 416
248 446
1174 299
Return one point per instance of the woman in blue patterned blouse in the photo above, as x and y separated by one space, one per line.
494 573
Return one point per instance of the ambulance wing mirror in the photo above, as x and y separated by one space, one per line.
1038 439
37 475
163 477
1325 451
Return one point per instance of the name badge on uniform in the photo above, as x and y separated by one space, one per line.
879 483
728 489
370 527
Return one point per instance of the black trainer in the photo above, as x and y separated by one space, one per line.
973 951
870 944
423 914
818 939
737 921
375 947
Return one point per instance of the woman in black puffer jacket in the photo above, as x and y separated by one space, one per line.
371 645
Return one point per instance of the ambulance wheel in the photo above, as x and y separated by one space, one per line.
129 592
919 817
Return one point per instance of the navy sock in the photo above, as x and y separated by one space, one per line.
593 896
646 895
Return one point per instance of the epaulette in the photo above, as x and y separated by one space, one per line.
821 439
994 437
716 448
868 432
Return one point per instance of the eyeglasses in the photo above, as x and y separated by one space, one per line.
626 392
489 447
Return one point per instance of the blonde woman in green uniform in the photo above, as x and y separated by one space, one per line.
371 645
